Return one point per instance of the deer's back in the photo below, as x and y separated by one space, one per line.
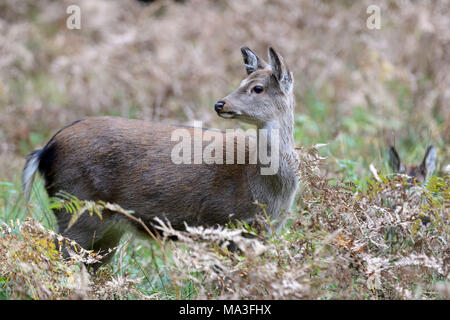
128 162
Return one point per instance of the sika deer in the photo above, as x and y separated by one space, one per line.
419 172
128 162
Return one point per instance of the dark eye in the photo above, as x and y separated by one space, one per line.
258 89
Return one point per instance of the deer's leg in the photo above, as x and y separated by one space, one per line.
92 233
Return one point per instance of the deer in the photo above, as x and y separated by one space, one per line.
416 172
128 162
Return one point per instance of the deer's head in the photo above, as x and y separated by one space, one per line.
265 97
418 172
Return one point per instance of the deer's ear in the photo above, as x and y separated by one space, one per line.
251 61
429 161
280 71
394 160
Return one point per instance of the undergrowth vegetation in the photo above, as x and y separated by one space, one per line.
353 233
385 241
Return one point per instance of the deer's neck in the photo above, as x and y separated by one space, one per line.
278 190
285 136
285 130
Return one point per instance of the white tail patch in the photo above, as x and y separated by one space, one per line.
28 175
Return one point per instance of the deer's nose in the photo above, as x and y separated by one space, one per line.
219 106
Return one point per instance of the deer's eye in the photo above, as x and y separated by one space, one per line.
257 89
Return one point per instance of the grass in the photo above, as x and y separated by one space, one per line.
348 156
